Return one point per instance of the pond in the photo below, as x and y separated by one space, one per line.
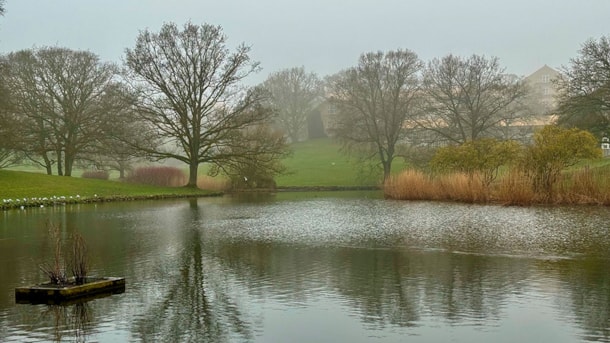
317 267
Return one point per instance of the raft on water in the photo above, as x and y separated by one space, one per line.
53 293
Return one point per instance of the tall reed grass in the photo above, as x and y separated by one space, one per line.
158 176
585 186
213 183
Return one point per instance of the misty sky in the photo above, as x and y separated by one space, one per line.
324 36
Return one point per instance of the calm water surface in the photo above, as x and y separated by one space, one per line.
318 267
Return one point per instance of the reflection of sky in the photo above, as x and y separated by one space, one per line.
544 232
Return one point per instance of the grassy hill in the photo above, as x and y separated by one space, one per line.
320 162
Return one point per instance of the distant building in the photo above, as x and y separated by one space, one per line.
543 90
542 104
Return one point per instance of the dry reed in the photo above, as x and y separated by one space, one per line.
213 183
462 187
409 185
581 187
514 188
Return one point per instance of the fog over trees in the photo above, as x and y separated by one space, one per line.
294 95
584 87
63 102
375 99
182 96
469 98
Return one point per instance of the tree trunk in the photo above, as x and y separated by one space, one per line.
387 168
47 164
69 161
60 165
193 167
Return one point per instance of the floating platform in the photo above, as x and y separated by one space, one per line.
48 293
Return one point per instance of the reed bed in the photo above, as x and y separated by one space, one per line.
213 183
581 187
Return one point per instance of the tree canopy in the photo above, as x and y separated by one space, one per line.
62 103
469 98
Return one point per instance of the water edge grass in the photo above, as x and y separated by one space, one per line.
585 186
28 189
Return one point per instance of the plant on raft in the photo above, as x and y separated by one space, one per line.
76 261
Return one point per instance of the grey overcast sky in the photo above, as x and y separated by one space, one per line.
324 36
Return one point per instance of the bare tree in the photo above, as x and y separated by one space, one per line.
64 101
468 98
584 88
32 131
375 99
190 93
8 122
293 95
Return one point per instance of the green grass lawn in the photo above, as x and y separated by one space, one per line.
318 162
19 184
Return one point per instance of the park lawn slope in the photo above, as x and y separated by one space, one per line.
19 185
320 162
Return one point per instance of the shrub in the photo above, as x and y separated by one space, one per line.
256 162
554 150
158 176
96 174
56 271
480 159
77 260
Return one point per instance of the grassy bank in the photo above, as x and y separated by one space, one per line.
314 163
19 188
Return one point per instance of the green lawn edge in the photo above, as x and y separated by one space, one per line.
27 189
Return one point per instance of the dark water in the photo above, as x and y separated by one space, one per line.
333 267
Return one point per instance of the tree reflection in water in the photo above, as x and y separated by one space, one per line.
74 321
226 271
197 305
383 286
586 285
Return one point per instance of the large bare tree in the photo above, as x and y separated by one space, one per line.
190 93
584 88
62 101
31 126
375 99
468 98
294 93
